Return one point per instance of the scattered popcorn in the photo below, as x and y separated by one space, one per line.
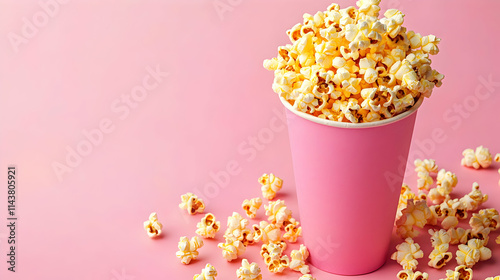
477 159
232 248
459 235
407 254
423 169
192 203
292 230
439 237
337 54
270 185
276 265
461 272
440 256
446 181
266 232
249 271
277 212
473 252
474 199
152 226
188 249
237 229
298 260
415 214
208 226
251 206
493 278
307 277
207 273
485 218
406 194
408 274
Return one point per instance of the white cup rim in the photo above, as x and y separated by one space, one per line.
315 119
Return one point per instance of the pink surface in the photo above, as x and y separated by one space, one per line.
212 125
343 191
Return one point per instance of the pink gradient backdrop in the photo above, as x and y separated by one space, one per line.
209 111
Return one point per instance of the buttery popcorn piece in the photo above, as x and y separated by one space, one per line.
423 169
208 226
415 214
473 252
251 206
474 199
461 272
266 232
188 249
152 226
249 271
446 181
298 260
192 203
408 274
459 235
487 218
292 230
277 212
439 237
477 159
307 277
440 256
207 273
270 185
232 248
407 254
493 278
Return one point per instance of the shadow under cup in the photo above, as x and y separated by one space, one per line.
348 179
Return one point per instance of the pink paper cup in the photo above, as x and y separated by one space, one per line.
348 179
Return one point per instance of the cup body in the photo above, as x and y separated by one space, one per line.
348 179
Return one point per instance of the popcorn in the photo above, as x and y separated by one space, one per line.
439 237
192 203
298 262
423 169
407 254
237 229
188 249
415 214
406 194
497 240
360 51
273 258
232 248
474 199
266 232
277 212
270 185
208 226
497 157
459 235
248 271
485 218
476 159
473 252
461 272
152 226
408 274
207 273
251 206
307 277
446 181
292 230
440 256
493 278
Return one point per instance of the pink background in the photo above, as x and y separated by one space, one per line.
215 108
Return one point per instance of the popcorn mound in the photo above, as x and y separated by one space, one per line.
347 65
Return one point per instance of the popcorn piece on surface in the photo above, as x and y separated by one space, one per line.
461 272
459 235
446 181
251 206
440 256
408 274
277 212
272 253
474 199
188 249
307 277
192 203
208 226
406 194
266 232
477 159
270 185
232 248
493 278
473 252
277 265
236 226
249 271
298 260
207 273
415 214
292 230
497 157
152 226
485 218
428 165
407 254
439 237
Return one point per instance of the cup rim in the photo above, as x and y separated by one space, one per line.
315 119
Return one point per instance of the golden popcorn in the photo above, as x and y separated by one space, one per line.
152 226
277 212
473 252
292 230
407 254
440 256
406 194
307 277
208 226
192 203
266 232
188 249
376 53
207 273
235 225
232 248
273 258
408 274
493 278
270 185
485 218
461 272
251 206
439 237
415 214
481 157
298 260
459 235
249 271
446 181
474 199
